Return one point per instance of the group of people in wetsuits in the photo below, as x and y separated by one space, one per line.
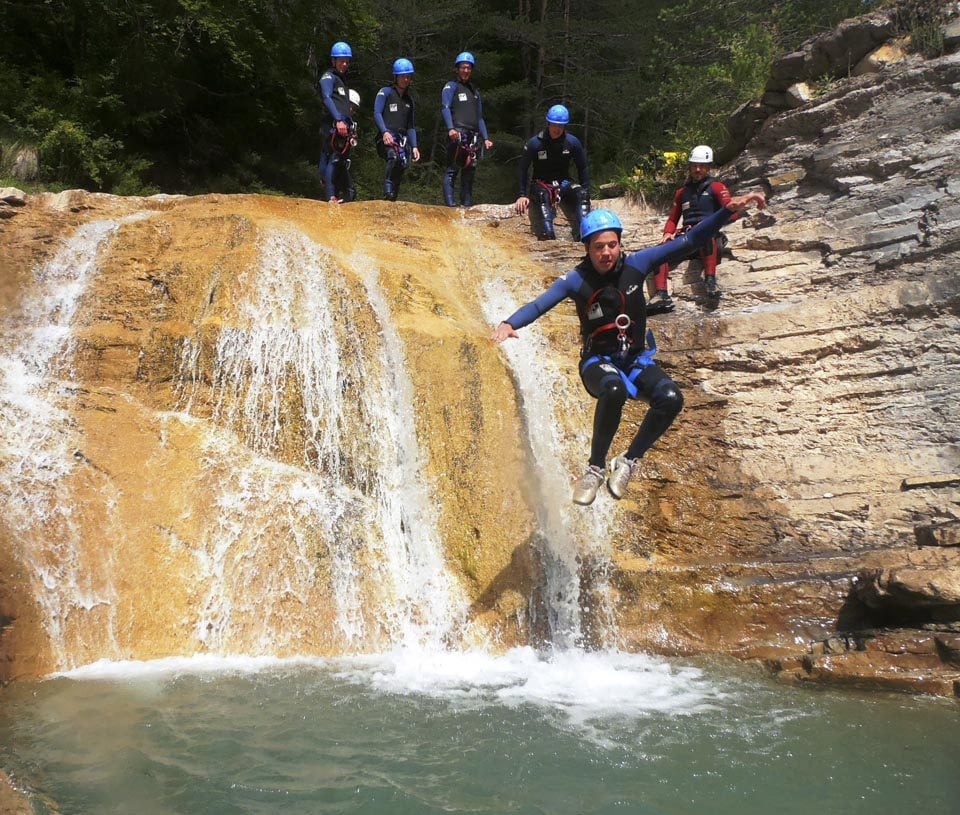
607 287
393 114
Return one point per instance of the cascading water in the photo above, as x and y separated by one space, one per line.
38 441
569 535
304 344
284 504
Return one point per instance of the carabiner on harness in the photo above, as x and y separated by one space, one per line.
400 147
623 323
341 145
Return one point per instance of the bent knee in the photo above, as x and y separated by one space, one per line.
613 389
667 397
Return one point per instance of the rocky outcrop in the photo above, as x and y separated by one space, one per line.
10 199
860 46
844 328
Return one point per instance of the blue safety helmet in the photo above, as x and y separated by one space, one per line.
599 220
402 66
558 115
464 56
341 49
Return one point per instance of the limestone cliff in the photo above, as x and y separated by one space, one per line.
173 482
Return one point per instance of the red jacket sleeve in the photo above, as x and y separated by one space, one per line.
721 195
670 227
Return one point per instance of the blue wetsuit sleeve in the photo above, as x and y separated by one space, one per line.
326 92
647 260
529 150
446 99
411 128
580 159
480 122
562 288
378 104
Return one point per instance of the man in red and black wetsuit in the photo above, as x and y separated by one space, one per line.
700 196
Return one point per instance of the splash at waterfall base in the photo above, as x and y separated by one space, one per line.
269 426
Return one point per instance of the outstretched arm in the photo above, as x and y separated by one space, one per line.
646 260
742 202
562 287
502 331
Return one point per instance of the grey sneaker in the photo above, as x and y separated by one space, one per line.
586 486
621 471
660 303
711 285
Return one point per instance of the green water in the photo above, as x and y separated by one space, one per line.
420 733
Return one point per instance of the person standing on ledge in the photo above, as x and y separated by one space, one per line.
616 358
340 134
551 152
701 195
393 115
462 113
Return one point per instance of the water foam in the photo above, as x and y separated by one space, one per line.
582 686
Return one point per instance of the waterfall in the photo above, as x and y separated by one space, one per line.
38 447
429 601
245 475
309 376
571 536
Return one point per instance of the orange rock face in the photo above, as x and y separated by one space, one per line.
270 426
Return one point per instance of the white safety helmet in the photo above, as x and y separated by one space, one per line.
701 154
354 97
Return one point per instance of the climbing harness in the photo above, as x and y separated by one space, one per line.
633 366
468 146
342 145
621 323
400 148
553 189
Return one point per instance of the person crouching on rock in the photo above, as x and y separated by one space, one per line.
616 358
700 195
551 152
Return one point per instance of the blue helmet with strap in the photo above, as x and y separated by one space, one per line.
464 56
402 67
341 49
599 220
558 115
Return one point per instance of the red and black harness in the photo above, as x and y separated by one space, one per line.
628 367
342 145
552 189
468 148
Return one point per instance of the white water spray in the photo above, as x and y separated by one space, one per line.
430 603
308 373
569 533
37 437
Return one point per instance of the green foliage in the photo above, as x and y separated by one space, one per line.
655 175
923 21
198 95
